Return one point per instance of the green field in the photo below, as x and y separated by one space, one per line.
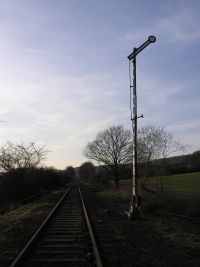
189 182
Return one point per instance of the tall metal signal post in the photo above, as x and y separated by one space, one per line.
134 211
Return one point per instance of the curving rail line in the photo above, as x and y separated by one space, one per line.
65 238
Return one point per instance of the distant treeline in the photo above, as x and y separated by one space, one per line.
20 184
174 165
169 166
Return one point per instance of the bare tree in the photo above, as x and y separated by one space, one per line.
155 143
17 160
112 148
21 156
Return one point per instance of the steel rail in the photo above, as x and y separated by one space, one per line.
39 230
91 233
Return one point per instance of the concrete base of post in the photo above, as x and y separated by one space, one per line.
134 214
135 209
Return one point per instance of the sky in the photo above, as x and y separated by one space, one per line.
64 72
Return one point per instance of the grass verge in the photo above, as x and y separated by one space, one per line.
160 235
189 182
16 227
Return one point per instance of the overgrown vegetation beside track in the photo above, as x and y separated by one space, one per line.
22 174
15 190
180 194
156 240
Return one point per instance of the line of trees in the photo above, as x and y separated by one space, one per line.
87 172
23 173
112 149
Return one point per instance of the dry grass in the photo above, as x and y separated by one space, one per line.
178 203
16 227
173 240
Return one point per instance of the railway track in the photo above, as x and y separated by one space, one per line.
64 239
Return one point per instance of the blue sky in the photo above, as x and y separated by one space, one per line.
64 70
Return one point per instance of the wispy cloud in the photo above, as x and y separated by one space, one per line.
175 24
156 95
179 25
62 82
57 110
183 127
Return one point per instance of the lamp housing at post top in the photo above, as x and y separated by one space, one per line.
152 39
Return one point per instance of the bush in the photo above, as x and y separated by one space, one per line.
15 187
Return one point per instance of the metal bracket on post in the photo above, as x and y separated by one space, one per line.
141 116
